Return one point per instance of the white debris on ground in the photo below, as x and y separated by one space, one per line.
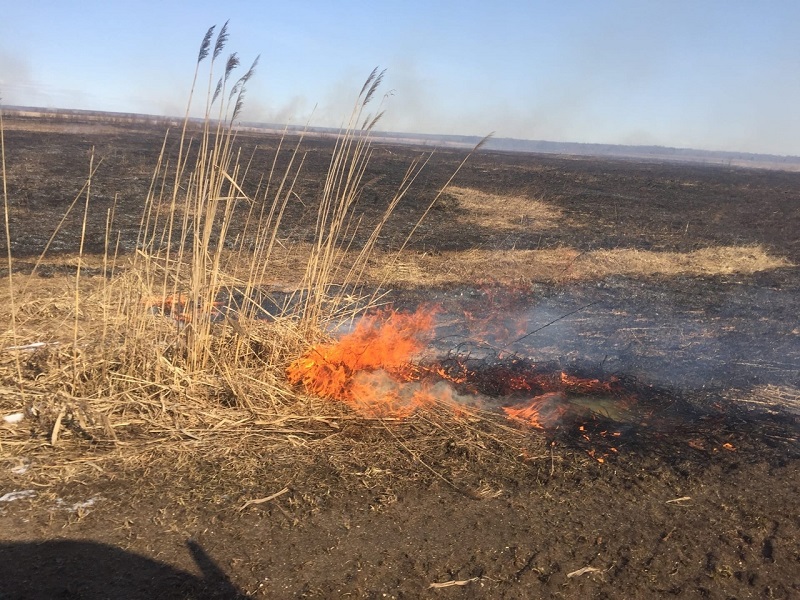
14 418
77 506
32 346
61 504
21 467
17 495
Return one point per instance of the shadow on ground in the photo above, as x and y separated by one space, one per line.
83 569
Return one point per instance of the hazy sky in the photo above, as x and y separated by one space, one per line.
720 75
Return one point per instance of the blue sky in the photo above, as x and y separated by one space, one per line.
719 75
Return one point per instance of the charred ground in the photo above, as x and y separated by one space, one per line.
703 505
605 204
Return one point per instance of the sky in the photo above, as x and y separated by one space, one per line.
704 74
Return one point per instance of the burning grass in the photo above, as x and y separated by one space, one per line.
376 370
119 349
365 367
142 343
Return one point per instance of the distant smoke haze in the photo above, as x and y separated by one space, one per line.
699 75
562 111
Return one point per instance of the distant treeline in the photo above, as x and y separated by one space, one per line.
647 152
70 115
658 153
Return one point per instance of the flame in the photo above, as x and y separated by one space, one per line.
590 386
177 306
557 395
166 303
542 411
370 368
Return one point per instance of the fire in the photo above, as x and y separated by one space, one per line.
564 393
177 306
595 386
541 412
370 368
167 303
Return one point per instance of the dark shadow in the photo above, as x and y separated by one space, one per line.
82 569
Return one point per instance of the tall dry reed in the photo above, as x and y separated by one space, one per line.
169 331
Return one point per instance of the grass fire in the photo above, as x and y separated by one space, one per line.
314 362
373 369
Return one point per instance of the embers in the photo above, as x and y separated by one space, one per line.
372 369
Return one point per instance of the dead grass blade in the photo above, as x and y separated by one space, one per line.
263 500
458 582
582 571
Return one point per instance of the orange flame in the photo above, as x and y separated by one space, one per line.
176 306
371 370
541 412
593 386
370 367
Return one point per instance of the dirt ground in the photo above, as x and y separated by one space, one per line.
695 498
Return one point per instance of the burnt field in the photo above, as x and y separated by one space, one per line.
600 399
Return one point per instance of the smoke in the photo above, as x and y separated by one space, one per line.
656 335
379 394
629 72
296 110
16 80
19 85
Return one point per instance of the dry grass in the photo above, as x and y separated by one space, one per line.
718 260
771 397
469 267
142 348
138 378
503 212
563 264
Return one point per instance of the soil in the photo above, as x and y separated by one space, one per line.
695 498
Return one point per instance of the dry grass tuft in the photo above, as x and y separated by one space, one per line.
469 267
503 212
771 397
123 351
564 264
718 260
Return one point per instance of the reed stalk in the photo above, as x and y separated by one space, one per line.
206 236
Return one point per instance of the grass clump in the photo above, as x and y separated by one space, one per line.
177 336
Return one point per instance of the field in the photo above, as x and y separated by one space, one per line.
658 301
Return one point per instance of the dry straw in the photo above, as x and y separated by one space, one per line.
157 341
9 261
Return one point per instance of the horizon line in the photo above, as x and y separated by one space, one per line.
501 144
